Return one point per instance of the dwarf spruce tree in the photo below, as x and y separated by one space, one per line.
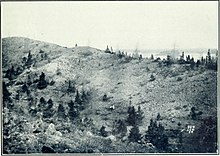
139 115
61 111
131 116
42 82
6 95
156 135
78 101
103 132
119 128
134 135
192 63
152 57
29 82
48 111
198 63
71 88
73 110
134 117
11 73
84 99
29 60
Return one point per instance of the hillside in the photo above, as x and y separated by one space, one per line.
175 90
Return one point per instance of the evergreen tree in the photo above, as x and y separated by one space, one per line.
158 117
122 127
50 103
160 128
193 113
104 98
152 78
29 82
182 61
78 100
140 57
28 92
211 63
132 118
61 111
192 63
202 61
17 97
135 118
45 56
42 101
24 88
30 102
71 88
18 71
206 60
84 99
12 70
156 135
48 111
71 104
42 104
134 135
209 60
29 60
207 135
42 82
73 110
162 142
182 55
152 57
6 95
198 62
120 54
152 131
24 60
140 115
10 73
168 61
188 59
123 54
107 50
119 128
103 132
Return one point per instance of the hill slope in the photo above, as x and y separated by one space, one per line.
173 93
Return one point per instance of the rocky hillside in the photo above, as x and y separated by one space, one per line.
170 91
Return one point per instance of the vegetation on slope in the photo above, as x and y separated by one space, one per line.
82 99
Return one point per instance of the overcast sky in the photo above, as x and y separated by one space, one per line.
124 25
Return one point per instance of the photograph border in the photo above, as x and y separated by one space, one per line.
130 154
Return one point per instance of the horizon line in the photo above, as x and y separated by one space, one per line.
50 42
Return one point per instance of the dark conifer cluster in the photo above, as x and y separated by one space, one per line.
156 135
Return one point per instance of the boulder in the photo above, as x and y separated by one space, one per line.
52 131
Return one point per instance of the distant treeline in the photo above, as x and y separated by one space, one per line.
208 61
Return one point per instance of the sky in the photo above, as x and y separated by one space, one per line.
122 25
